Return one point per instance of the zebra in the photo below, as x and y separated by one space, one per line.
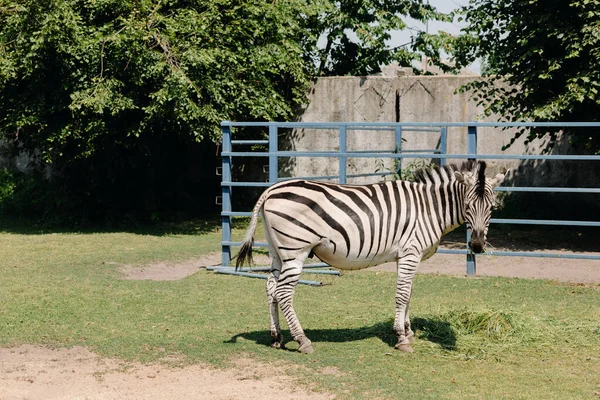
357 226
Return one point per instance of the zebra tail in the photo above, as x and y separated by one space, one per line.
245 252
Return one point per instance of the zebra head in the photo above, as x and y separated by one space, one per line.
480 199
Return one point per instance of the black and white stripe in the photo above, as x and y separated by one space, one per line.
354 227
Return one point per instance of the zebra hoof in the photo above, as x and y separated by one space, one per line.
277 341
306 347
278 345
405 347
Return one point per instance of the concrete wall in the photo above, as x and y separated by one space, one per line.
392 99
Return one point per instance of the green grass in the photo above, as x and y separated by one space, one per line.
476 338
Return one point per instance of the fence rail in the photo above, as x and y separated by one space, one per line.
343 154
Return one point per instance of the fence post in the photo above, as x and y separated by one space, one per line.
443 144
398 149
273 158
226 195
343 160
471 149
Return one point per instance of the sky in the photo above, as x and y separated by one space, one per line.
445 6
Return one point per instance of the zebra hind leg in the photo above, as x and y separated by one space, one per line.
284 295
276 338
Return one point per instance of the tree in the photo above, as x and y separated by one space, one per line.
542 60
114 93
356 32
76 73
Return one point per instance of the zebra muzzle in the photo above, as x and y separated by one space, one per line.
476 246
477 243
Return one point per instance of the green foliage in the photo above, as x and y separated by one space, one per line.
22 194
542 60
400 171
116 95
371 22
77 75
7 185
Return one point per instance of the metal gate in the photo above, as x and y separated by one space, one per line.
270 141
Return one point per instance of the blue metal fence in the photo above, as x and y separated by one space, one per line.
343 154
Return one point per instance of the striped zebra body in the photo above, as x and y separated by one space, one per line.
358 226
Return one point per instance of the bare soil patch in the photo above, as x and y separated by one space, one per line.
558 269
35 373
162 271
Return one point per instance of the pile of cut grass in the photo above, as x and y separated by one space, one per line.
491 323
445 327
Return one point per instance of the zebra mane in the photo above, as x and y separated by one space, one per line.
481 179
446 173
428 174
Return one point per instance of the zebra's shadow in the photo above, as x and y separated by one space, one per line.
433 330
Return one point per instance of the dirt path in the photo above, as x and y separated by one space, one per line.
558 269
36 373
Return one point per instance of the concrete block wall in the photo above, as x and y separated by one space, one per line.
393 99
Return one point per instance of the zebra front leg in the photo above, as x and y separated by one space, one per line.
276 339
410 335
407 267
284 295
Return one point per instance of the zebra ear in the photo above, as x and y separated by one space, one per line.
466 178
499 178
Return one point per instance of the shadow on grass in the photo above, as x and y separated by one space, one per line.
23 226
433 330
436 331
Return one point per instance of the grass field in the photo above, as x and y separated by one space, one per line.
476 338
